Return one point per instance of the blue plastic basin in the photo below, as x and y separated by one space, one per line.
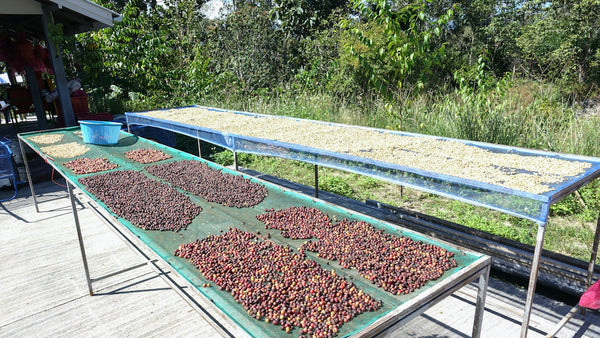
100 132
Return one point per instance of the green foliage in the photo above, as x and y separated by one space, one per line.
298 18
365 182
56 34
555 41
590 195
335 184
477 80
224 158
568 206
409 45
562 39
480 111
364 187
360 63
170 54
245 45
583 204
151 59
320 54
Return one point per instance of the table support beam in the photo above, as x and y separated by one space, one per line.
235 161
80 238
34 90
535 266
64 96
594 255
316 181
480 306
22 146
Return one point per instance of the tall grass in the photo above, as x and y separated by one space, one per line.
518 114
319 106
524 119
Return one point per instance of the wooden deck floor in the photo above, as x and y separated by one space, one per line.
44 292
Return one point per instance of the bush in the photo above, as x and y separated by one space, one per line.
336 185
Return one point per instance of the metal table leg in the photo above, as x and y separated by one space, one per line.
482 285
594 255
200 305
316 181
80 237
589 280
22 146
535 266
592 264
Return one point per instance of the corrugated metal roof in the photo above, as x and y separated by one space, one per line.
76 16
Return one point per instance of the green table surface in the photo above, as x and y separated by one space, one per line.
216 218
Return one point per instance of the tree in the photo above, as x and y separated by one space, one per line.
408 51
298 18
579 22
246 45
151 55
552 40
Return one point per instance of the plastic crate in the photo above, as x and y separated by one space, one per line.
100 132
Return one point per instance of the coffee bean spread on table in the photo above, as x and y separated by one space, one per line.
397 264
276 284
144 202
211 184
